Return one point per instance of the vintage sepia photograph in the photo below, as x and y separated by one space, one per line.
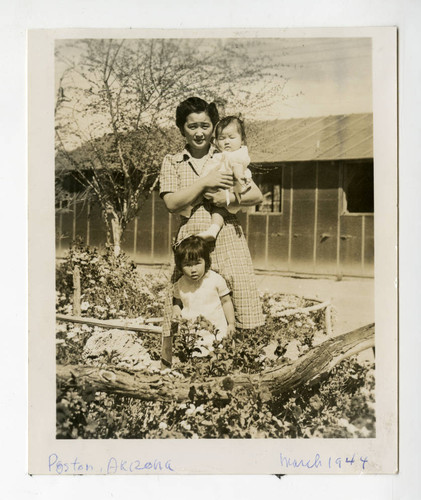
216 257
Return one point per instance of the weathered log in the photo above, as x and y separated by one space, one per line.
308 368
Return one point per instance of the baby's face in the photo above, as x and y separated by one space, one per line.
229 138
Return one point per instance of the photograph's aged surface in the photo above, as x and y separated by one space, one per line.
219 203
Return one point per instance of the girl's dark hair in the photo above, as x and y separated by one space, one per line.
195 105
191 249
224 122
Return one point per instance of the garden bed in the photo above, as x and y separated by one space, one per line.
341 404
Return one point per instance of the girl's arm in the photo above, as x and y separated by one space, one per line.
176 309
186 196
228 308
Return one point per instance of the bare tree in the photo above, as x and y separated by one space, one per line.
114 107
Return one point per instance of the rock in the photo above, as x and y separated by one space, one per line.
120 348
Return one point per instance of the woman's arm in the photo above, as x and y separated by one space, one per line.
186 196
252 197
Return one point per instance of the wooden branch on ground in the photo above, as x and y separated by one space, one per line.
109 323
301 310
154 320
147 327
308 368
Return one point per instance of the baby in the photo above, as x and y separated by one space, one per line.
233 157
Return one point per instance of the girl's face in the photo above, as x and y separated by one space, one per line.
229 138
194 269
198 132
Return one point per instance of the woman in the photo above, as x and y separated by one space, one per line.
183 189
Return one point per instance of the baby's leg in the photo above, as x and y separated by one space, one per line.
217 221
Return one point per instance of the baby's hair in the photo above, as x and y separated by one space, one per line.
195 105
191 249
224 122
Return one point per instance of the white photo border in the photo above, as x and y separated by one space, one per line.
206 456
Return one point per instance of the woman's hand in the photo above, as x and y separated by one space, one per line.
252 196
218 180
179 200
219 198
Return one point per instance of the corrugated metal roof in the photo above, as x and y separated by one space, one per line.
305 139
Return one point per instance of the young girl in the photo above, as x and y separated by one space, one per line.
230 140
201 291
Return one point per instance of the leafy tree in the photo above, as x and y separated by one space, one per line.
115 105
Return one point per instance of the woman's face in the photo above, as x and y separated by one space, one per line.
198 132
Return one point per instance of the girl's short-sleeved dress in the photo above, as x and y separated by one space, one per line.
230 255
203 298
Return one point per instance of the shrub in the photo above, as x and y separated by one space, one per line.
111 287
325 411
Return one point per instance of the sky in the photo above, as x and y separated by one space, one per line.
324 76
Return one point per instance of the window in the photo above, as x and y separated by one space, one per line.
270 184
358 187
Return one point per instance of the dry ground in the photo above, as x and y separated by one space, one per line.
352 298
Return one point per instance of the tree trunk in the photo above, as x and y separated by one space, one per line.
311 367
117 232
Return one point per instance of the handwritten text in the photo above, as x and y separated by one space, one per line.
111 465
331 462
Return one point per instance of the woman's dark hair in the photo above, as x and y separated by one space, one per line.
191 249
195 105
224 122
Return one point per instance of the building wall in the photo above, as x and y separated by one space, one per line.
312 234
